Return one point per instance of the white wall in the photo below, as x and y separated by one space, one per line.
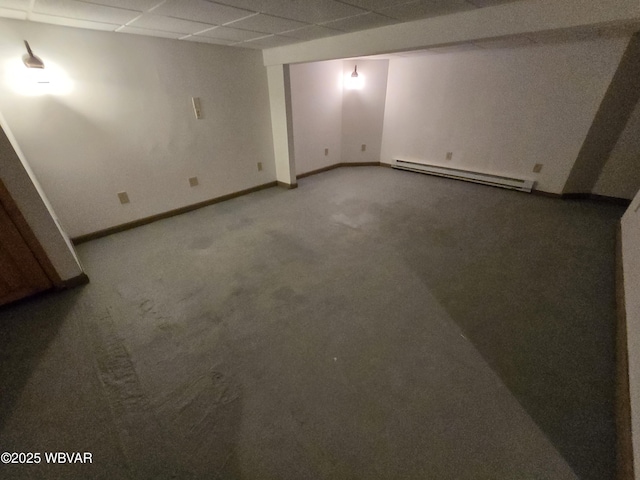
499 111
631 267
34 206
363 111
328 114
620 176
128 123
316 95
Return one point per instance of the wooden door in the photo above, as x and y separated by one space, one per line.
21 272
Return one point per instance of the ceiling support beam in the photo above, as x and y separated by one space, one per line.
518 18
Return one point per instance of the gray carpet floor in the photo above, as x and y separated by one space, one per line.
372 323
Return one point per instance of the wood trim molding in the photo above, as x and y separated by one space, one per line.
29 237
288 186
598 198
77 281
624 445
153 218
339 165
319 170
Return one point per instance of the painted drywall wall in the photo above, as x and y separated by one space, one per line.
363 111
499 111
127 124
34 206
630 226
281 120
316 97
620 176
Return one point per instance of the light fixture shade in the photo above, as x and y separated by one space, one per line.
30 60
355 72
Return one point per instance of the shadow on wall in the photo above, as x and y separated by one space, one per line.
535 297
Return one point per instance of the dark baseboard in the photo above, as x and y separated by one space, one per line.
624 445
387 165
338 165
288 186
319 170
154 218
360 164
597 198
585 196
547 194
77 281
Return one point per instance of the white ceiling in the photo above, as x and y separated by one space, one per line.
243 23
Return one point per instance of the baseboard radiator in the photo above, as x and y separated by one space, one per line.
476 177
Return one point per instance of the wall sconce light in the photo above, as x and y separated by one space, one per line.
30 60
355 81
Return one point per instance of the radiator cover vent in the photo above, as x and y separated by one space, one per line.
466 175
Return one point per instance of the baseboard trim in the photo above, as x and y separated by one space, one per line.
360 164
597 198
338 165
319 170
77 281
624 445
171 213
288 186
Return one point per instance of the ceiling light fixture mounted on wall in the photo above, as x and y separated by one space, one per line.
355 81
30 60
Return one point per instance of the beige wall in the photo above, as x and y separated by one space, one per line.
363 111
631 266
620 176
316 95
128 124
499 111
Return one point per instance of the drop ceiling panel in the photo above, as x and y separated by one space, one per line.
266 24
316 11
426 8
168 24
150 32
201 11
360 22
489 3
201 39
72 22
15 4
313 32
374 5
231 34
138 5
84 11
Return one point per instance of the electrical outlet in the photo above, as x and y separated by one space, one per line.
193 182
363 147
123 197
326 152
537 168
449 155
259 166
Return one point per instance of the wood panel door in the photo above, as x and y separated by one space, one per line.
21 272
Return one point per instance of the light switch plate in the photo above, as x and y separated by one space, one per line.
193 182
123 197
537 168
